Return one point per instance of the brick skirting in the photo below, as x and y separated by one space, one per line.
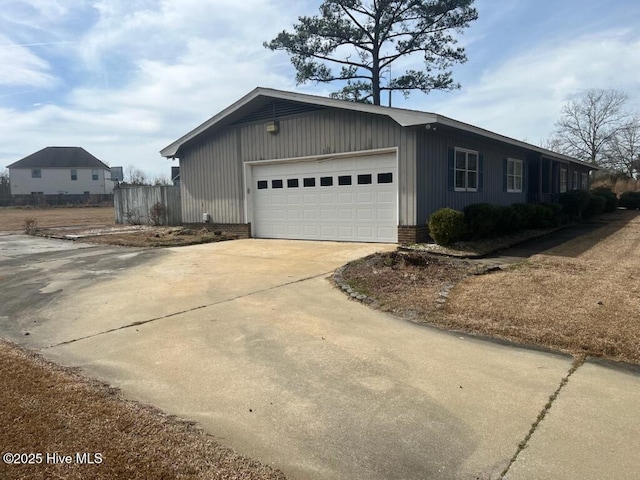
243 230
408 234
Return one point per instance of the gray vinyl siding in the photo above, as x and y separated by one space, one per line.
433 173
212 169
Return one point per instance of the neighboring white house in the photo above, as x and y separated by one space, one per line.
60 171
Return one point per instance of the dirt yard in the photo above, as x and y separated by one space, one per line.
46 409
12 218
97 225
582 297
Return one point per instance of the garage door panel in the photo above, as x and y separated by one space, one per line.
340 199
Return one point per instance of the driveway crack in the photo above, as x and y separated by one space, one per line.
577 363
200 307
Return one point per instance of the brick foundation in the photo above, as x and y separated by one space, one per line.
242 230
408 234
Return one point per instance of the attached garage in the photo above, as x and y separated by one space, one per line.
350 197
284 165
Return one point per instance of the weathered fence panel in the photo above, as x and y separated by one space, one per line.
134 205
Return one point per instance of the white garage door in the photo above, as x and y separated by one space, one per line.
348 199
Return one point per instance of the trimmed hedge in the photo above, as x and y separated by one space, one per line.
595 206
481 219
630 200
447 226
573 203
611 200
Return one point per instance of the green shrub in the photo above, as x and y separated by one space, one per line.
509 221
525 211
595 206
447 226
611 200
573 203
481 219
630 200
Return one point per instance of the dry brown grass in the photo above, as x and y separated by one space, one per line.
12 218
46 409
148 236
618 186
582 297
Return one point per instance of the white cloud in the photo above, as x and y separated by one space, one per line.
23 68
523 96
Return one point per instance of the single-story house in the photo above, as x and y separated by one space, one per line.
277 164
60 171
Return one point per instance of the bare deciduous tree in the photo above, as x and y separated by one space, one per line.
589 123
622 152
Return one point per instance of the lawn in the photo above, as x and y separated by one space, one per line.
12 218
48 409
581 297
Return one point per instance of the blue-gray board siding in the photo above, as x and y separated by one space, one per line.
212 168
433 173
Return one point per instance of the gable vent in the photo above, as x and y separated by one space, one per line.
276 110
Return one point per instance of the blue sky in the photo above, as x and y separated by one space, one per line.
124 78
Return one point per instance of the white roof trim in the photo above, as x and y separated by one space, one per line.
403 117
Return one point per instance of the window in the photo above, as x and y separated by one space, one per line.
36 173
385 178
364 179
37 193
74 174
574 181
326 181
466 170
344 180
87 193
94 175
292 183
276 183
585 181
514 175
563 180
262 184
309 182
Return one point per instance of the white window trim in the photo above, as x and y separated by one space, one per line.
521 176
566 180
466 170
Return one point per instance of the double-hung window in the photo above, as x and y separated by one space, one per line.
574 182
74 174
36 173
564 180
514 175
94 175
466 170
585 181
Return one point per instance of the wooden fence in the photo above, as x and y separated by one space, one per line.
159 205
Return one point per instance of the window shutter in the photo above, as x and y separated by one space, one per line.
452 170
524 177
505 172
480 172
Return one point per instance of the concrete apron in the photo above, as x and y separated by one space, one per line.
250 340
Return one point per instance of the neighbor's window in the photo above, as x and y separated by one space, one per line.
585 181
514 175
74 174
466 170
563 180
94 174
574 183
36 173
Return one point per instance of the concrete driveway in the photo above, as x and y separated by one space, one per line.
249 339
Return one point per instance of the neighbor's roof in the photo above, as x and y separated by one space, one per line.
60 157
403 117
